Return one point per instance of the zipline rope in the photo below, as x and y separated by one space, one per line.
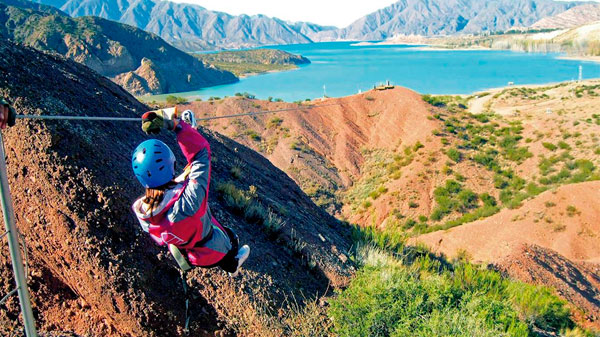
138 119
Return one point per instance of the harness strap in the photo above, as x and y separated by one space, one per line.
179 258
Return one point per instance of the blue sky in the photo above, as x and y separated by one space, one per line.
338 13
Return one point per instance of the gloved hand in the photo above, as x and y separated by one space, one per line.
153 121
7 114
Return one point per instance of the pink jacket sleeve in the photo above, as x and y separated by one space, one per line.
190 141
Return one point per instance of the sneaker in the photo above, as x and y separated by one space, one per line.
242 256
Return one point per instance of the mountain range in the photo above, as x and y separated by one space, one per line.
192 27
141 62
447 17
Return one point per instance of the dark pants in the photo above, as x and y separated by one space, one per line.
229 263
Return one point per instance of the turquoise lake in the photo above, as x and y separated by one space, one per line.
344 69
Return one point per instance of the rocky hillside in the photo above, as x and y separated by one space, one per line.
191 27
442 17
93 272
574 17
324 149
140 62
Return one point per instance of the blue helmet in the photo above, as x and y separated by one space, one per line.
153 163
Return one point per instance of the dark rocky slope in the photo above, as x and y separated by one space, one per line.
92 270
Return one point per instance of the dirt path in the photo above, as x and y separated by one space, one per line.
478 104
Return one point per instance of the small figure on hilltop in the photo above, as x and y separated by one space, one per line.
174 211
7 114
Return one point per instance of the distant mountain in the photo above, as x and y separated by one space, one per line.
139 61
446 17
314 31
191 27
574 17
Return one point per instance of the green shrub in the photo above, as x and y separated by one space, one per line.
468 199
378 192
549 146
252 135
236 172
488 200
418 146
274 123
572 211
454 154
564 145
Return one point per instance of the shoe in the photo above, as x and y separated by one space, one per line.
242 256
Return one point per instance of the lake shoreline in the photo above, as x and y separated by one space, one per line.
340 69
595 59
246 75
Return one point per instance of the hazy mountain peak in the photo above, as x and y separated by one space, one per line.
443 17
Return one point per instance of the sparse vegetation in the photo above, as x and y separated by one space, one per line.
174 100
572 211
252 135
274 123
246 204
549 146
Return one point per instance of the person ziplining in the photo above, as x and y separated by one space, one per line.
174 210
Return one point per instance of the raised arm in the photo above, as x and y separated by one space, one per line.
190 141
197 152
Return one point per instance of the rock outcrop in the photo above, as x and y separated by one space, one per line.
141 62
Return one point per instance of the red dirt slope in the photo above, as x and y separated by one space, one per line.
577 282
375 119
566 220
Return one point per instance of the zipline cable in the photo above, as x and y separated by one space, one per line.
138 119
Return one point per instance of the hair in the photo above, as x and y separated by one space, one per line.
154 196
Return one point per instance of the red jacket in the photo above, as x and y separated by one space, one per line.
183 218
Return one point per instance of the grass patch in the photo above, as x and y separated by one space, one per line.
246 205
412 293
